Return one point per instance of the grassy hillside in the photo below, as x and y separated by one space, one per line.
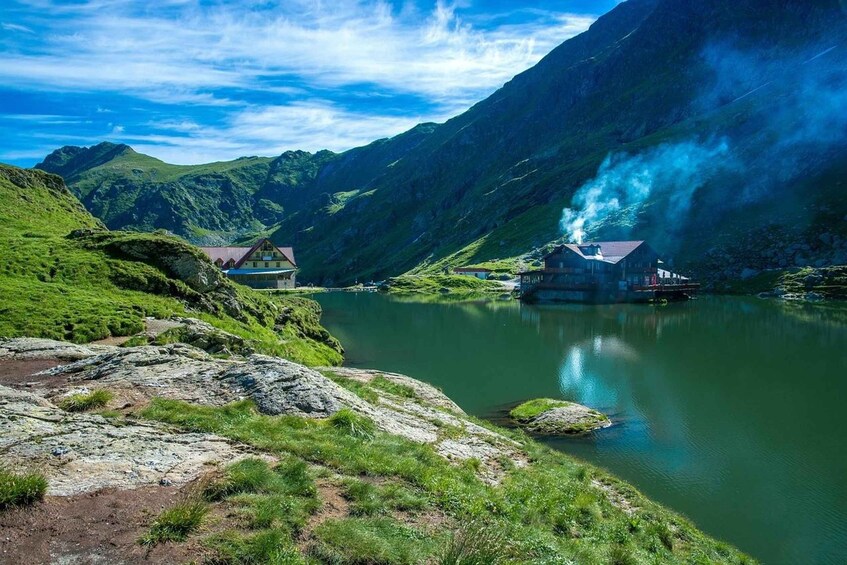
63 276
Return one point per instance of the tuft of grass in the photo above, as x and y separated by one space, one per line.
392 387
369 540
176 523
86 401
360 389
268 498
367 499
20 489
353 424
532 408
269 547
475 544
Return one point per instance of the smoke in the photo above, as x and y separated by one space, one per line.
789 121
626 181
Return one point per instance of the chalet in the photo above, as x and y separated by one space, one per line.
264 265
604 272
476 272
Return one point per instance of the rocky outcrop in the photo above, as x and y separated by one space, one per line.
277 387
558 417
87 452
567 420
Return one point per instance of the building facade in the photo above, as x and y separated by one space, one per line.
475 272
262 266
603 272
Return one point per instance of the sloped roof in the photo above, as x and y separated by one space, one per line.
225 253
240 254
610 251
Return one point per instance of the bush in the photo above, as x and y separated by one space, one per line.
20 489
176 523
82 402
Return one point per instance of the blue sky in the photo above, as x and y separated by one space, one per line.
193 81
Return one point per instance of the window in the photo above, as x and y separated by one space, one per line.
277 263
266 264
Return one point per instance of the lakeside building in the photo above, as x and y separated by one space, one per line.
262 266
604 272
476 272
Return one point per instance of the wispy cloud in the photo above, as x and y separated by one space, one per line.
301 61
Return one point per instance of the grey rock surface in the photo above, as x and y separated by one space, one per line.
567 420
86 452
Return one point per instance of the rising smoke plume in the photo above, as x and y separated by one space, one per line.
799 108
623 181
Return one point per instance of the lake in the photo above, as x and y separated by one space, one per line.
728 410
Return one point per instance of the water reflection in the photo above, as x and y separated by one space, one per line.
728 410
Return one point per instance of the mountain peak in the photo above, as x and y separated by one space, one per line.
70 160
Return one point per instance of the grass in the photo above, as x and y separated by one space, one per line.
82 402
368 499
360 389
391 387
20 489
474 544
90 287
369 540
532 408
446 286
553 510
176 523
353 424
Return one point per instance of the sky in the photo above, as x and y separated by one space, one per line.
194 81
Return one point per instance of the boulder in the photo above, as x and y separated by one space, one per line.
558 417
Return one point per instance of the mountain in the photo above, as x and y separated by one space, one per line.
715 129
64 276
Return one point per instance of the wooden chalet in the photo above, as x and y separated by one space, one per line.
604 272
263 266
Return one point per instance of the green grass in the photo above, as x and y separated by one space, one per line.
450 287
549 511
82 402
266 547
360 389
392 387
176 523
87 288
369 540
353 424
368 499
20 489
533 408
474 544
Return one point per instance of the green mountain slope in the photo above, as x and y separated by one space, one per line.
64 276
700 126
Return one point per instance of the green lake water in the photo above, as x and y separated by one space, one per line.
731 411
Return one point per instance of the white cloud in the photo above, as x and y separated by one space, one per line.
194 49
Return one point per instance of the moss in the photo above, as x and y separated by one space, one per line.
532 408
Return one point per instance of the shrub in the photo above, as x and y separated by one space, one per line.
20 489
176 523
82 401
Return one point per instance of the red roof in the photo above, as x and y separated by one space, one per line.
610 251
240 254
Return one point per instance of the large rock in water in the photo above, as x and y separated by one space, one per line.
558 417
